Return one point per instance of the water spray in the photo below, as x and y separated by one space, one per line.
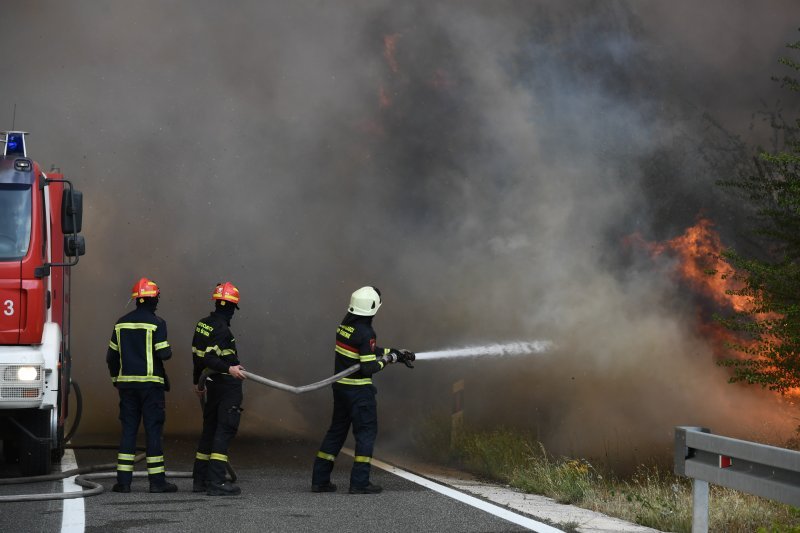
489 350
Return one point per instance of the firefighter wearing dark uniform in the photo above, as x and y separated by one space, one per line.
354 396
214 348
135 358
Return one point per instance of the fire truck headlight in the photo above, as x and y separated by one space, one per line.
27 373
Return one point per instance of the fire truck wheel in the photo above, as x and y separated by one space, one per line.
34 454
58 452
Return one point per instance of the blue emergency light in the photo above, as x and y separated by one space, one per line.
15 143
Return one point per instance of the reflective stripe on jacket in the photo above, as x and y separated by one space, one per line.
137 349
356 344
213 346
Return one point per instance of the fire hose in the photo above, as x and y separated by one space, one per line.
283 386
85 475
303 388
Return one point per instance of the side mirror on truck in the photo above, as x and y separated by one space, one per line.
74 245
71 210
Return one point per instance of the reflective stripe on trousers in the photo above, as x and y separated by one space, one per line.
221 417
356 407
141 405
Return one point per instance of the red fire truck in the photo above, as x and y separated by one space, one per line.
40 218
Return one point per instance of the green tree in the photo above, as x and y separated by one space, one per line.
768 332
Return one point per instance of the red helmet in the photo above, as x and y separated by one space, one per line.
227 293
145 288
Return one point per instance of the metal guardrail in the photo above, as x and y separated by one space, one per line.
759 469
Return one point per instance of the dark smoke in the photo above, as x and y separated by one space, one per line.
483 175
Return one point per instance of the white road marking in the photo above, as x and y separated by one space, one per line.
496 510
73 517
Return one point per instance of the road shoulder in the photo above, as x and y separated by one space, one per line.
540 507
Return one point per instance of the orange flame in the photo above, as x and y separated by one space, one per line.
699 251
389 48
702 267
384 100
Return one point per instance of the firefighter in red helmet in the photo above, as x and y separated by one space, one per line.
214 349
135 359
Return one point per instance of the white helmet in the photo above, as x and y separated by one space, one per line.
365 301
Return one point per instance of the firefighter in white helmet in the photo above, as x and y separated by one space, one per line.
354 396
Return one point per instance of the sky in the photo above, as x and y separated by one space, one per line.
482 163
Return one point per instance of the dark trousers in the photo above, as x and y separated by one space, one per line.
144 404
356 406
221 416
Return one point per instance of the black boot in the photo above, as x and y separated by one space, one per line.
226 488
368 489
166 486
120 487
324 487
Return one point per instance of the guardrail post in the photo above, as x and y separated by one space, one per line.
457 416
699 487
699 506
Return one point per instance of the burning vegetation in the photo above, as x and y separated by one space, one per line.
700 266
724 304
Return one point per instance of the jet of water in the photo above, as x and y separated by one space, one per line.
489 350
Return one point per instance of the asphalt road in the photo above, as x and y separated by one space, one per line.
275 479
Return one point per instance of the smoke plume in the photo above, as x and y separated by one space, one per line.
481 163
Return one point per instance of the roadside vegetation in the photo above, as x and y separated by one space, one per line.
652 496
767 346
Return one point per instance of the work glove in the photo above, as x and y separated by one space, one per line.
405 357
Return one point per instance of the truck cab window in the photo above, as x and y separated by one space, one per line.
15 220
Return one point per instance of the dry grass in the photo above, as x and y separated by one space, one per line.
652 496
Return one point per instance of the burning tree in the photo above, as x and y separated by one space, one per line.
769 330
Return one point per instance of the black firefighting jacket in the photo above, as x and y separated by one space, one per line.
138 349
213 345
355 343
